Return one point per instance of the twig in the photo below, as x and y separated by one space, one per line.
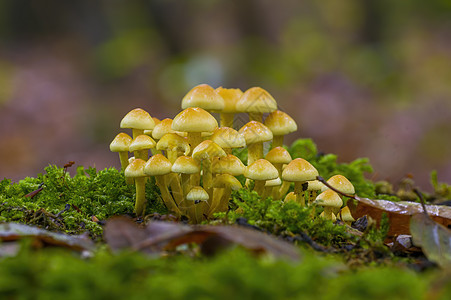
321 179
416 191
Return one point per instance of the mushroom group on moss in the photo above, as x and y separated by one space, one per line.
191 159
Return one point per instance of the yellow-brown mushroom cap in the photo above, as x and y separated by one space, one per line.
157 165
328 198
256 100
137 119
207 150
121 143
203 96
340 183
261 169
165 126
185 165
173 142
226 180
231 98
273 182
229 164
278 155
255 132
197 193
299 170
135 168
345 215
291 196
142 142
315 185
194 119
280 123
227 137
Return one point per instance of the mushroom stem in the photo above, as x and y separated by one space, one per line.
176 188
277 141
143 154
221 201
194 139
137 132
123 156
328 211
172 155
185 183
283 190
259 186
140 204
256 117
255 152
226 119
299 192
207 176
160 180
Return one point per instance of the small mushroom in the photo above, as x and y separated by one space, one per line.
228 138
279 156
260 171
345 216
227 183
330 200
291 196
205 97
185 166
270 187
231 97
138 120
280 124
120 144
255 133
172 143
135 170
299 171
141 146
229 164
195 204
256 101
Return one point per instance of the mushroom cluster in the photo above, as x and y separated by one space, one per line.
190 156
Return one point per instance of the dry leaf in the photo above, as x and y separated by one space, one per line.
15 231
399 213
159 236
433 238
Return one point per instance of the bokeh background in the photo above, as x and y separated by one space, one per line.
367 78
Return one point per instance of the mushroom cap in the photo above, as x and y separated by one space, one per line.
227 137
345 215
255 132
278 155
299 170
194 119
207 150
160 129
142 142
329 198
231 98
203 96
121 143
332 217
291 196
256 100
173 142
280 123
138 119
197 193
185 165
315 185
135 168
229 164
273 182
261 169
340 183
157 165
226 180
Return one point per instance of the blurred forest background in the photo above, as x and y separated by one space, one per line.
367 78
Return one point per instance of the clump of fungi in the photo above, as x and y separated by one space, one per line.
191 160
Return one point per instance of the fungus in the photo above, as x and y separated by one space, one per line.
149 131
172 143
279 156
299 171
260 171
256 101
204 153
229 164
255 133
185 166
340 183
346 216
329 200
138 120
135 170
194 121
314 186
141 145
195 204
231 97
121 144
328 216
270 187
159 166
203 96
228 138
280 125
291 196
227 183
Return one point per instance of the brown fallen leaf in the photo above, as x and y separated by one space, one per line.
15 231
158 236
